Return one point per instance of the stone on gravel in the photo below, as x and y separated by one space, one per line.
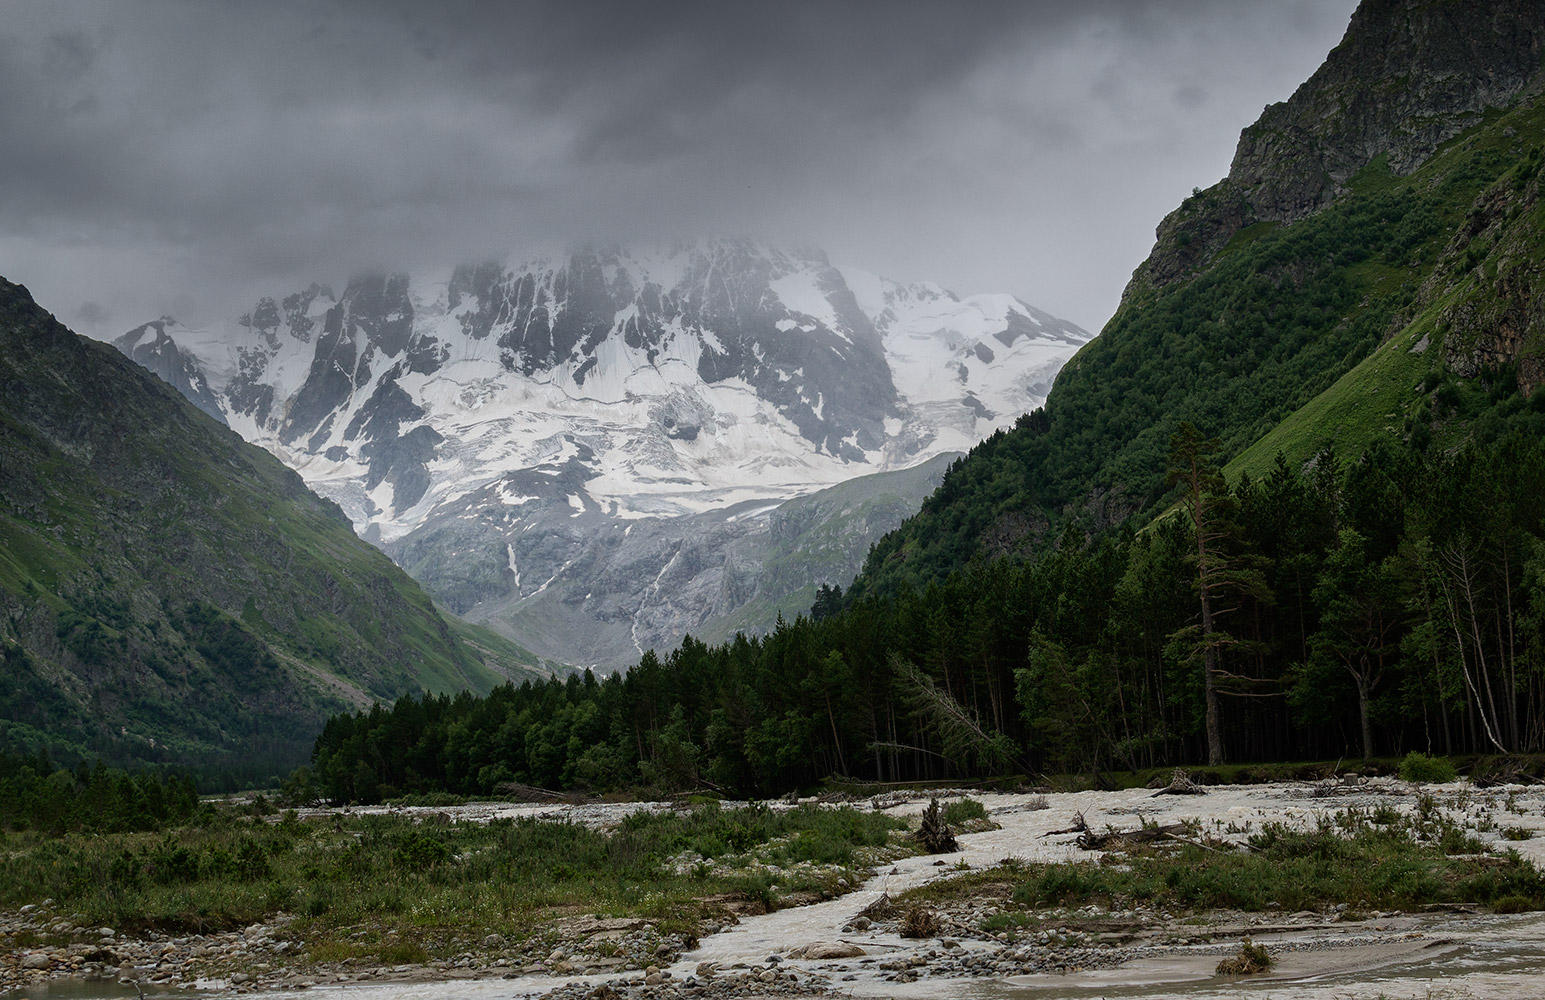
827 949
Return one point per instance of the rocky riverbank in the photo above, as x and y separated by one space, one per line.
40 945
867 940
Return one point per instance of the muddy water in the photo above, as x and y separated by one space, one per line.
95 989
1502 961
1509 967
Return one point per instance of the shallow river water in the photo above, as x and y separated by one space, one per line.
1398 957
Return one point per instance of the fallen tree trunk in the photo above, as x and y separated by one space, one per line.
1115 840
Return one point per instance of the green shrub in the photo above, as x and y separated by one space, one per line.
251 862
170 865
1420 767
958 813
419 852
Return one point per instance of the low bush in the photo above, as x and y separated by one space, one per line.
962 811
1252 958
1422 768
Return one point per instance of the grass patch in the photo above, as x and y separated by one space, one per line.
402 953
1348 858
1367 403
424 890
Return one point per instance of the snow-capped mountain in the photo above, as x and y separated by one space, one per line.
610 383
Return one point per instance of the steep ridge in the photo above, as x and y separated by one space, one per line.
171 593
1407 77
493 427
1343 285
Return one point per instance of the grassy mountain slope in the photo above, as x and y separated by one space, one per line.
502 654
169 592
821 539
1316 296
1469 345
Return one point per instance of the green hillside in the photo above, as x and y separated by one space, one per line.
1466 342
170 593
1388 307
817 540
502 654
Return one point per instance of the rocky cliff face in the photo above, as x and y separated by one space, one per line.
155 346
1489 284
1408 76
510 427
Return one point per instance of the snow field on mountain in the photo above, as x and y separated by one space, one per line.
655 409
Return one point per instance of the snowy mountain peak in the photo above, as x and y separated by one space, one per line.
187 359
630 380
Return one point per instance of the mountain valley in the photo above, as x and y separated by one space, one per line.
584 453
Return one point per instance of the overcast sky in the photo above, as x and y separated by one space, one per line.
186 157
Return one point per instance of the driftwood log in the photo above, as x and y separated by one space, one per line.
515 791
1115 840
880 909
1125 840
1180 783
1079 825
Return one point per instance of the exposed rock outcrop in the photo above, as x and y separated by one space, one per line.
1408 76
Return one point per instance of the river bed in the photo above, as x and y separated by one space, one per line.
1320 956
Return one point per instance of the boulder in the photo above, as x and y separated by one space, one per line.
827 949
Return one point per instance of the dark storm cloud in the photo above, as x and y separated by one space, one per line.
167 149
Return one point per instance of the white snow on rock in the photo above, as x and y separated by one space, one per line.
664 380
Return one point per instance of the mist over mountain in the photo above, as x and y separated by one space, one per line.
490 425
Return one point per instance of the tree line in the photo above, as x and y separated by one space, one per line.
1388 604
36 793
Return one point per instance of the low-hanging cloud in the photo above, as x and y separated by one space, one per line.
172 150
